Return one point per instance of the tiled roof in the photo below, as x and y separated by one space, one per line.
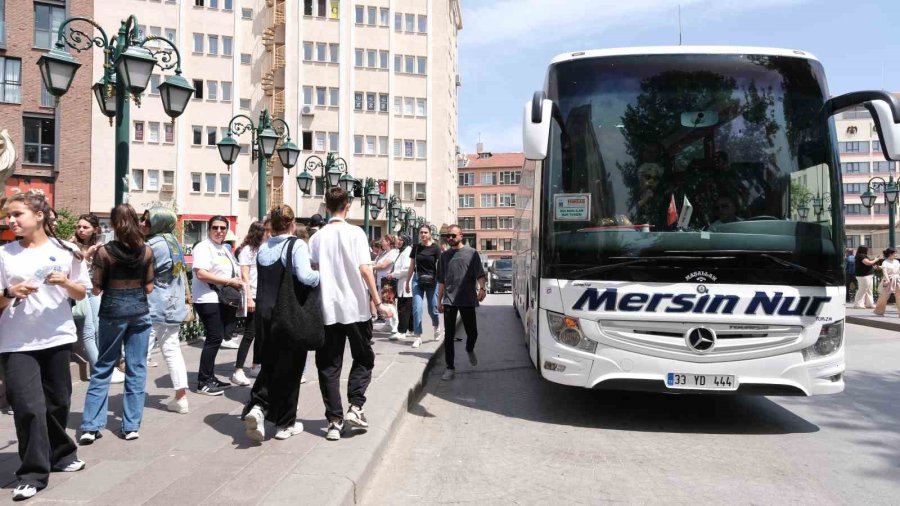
496 160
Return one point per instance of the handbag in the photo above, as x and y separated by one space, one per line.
229 295
297 313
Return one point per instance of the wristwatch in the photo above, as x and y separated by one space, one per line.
7 294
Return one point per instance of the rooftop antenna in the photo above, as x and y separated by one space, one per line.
679 24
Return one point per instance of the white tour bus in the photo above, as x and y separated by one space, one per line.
664 235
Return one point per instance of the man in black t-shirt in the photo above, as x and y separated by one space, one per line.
459 271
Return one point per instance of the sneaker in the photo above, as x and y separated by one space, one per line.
334 431
23 492
254 425
448 375
230 344
302 379
130 435
152 363
438 334
220 383
356 417
239 378
75 465
397 335
117 376
254 371
89 437
417 342
473 359
287 432
209 389
178 405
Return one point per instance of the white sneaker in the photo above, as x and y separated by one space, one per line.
302 379
438 334
23 492
334 431
117 376
231 344
448 375
75 465
356 417
254 425
287 432
417 342
179 406
131 436
397 335
239 378
254 371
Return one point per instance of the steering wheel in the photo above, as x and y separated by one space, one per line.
762 217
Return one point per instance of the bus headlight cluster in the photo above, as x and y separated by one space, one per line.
830 339
567 330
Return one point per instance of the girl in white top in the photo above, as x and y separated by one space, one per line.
256 236
384 263
404 296
39 275
890 281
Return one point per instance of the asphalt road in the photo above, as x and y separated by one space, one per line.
498 434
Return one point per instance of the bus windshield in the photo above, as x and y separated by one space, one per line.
661 167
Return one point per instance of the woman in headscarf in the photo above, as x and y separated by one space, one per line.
168 307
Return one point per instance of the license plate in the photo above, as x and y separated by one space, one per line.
701 381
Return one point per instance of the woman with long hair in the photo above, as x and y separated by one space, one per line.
168 306
247 260
214 267
87 238
422 277
864 269
276 391
123 273
404 294
890 281
39 274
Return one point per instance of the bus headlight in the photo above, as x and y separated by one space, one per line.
830 339
567 330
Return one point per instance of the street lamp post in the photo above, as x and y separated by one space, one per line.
336 173
395 211
821 204
266 133
127 67
332 169
890 190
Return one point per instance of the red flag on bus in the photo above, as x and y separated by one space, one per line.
672 214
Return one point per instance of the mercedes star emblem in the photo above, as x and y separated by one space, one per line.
700 339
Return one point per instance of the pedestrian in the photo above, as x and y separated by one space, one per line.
255 237
214 269
123 272
404 294
422 276
316 222
384 263
890 281
88 235
864 268
849 271
458 274
276 391
375 252
388 308
168 300
39 274
341 252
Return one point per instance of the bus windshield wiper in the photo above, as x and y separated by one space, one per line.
818 276
641 260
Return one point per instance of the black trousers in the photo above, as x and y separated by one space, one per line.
218 322
330 359
277 388
250 337
39 387
404 313
470 324
851 281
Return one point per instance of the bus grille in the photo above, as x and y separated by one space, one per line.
731 338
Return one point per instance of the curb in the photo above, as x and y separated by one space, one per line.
882 323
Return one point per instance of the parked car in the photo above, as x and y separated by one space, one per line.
500 276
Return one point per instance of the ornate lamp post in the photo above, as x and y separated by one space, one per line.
409 219
803 210
890 189
336 173
128 63
266 133
395 211
821 204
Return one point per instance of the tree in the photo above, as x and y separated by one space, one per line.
65 223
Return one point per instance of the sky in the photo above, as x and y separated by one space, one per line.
505 45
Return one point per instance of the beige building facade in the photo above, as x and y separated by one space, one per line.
373 82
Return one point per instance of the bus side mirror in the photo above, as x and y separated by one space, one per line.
885 110
536 126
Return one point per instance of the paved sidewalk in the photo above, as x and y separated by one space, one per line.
890 320
205 458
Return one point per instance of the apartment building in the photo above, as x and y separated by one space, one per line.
52 140
373 82
487 187
861 160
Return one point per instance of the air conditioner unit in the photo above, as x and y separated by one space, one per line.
167 188
307 110
420 196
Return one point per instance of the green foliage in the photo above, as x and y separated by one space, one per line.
800 195
65 223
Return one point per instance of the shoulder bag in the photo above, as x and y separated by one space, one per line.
297 313
229 295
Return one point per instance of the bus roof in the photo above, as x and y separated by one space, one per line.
648 50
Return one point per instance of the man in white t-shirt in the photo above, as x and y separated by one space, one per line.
341 252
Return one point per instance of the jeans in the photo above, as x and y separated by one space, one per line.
469 322
419 293
218 321
134 333
166 336
330 360
90 326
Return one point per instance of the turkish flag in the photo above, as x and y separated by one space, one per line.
672 213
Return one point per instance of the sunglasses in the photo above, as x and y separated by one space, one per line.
450 236
217 229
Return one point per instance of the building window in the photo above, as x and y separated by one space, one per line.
169 178
854 167
383 60
10 80
321 96
398 22
307 95
408 149
423 24
370 101
397 147
213 4
467 223
154 84
170 35
466 179
153 128
372 17
320 141
247 13
398 105
169 132
358 144
853 147
334 96
488 200
195 186
421 149
47 19
410 62
307 141
360 12
489 222
420 191
198 42
488 178
226 91
2 23
383 146
467 201
358 101
153 180
333 141
420 107
506 244
197 135
398 63
226 46
489 245
371 58
224 183
854 209
213 44
882 166
382 102
408 103
228 5
307 51
410 23
210 183
408 191
505 223
245 103
358 56
385 16
321 51
507 200
334 51
198 88
422 65
246 58
370 145
510 177
854 188
137 180
212 90
139 131
211 133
